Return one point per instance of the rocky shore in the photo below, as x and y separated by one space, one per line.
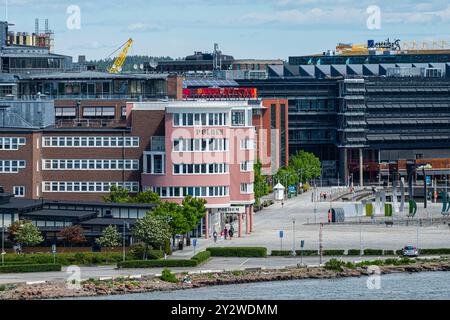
121 286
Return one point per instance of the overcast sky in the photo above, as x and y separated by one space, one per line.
243 28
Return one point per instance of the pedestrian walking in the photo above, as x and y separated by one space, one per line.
225 233
231 233
215 236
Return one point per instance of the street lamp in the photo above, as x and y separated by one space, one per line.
127 225
3 241
293 242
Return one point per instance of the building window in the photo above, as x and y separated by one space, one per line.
246 188
65 112
90 164
155 163
238 118
12 166
200 119
195 169
90 142
99 112
19 191
11 143
181 192
200 145
88 186
247 166
247 144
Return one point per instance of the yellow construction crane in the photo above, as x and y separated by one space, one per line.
120 60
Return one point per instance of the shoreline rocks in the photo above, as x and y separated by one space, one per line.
120 286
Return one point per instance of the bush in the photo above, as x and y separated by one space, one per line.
137 253
279 253
399 252
373 252
168 276
157 264
65 259
435 251
308 253
388 253
333 252
252 252
337 265
30 268
202 257
354 252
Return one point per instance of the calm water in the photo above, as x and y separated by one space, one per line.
417 286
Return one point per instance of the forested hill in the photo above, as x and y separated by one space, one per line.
104 64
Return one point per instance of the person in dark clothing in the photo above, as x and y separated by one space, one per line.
225 233
231 233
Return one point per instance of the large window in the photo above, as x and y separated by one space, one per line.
11 143
12 166
212 168
200 119
247 166
246 188
65 112
19 191
238 118
90 142
99 112
90 164
181 192
200 145
247 144
155 163
86 186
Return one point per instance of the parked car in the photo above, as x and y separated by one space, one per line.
410 251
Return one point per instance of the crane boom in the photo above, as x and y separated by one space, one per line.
120 60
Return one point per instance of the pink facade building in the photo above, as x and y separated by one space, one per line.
208 151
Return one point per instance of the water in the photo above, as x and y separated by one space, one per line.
402 286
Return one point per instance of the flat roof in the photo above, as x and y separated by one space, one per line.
108 222
16 203
90 75
101 204
61 214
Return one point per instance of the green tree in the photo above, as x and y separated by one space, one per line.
153 231
172 213
193 209
28 235
287 176
117 195
110 237
147 197
261 188
306 165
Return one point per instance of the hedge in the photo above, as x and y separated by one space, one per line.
435 251
333 252
281 253
388 253
65 259
373 252
308 253
157 264
30 268
193 262
202 257
249 252
354 252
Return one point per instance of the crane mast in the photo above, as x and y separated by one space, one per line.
120 60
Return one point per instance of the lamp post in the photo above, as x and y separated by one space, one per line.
293 242
123 240
3 241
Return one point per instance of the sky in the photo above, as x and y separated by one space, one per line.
262 29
